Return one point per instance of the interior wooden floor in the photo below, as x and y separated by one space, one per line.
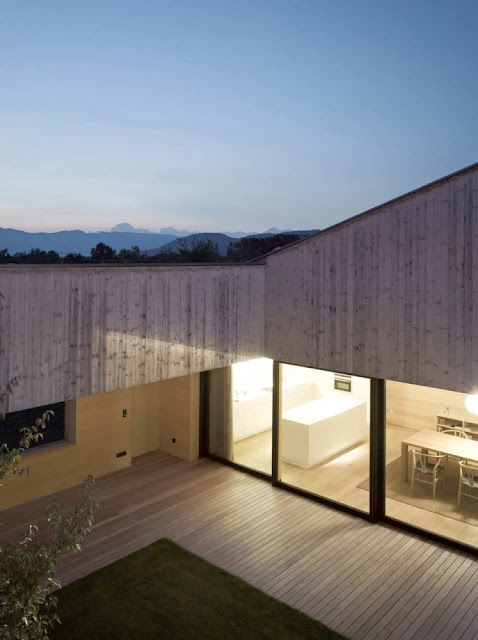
339 479
366 581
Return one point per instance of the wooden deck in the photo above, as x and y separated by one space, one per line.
365 581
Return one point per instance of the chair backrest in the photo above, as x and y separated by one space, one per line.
458 433
468 473
421 460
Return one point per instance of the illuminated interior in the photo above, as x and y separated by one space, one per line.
252 414
420 414
324 441
325 428
325 434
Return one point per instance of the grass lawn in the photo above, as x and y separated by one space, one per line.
164 591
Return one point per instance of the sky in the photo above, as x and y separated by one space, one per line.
227 116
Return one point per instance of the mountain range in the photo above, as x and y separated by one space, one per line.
77 241
124 227
122 236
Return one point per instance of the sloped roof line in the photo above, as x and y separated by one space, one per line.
470 167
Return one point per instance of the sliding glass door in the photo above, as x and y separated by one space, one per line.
324 443
431 470
313 428
240 414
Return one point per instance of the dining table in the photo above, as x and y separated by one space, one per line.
449 445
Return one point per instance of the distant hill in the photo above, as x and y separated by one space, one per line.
172 231
64 242
237 234
221 239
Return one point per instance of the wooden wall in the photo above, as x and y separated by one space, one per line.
416 407
73 331
155 413
101 433
391 294
146 419
179 405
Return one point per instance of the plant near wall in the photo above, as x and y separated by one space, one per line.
27 566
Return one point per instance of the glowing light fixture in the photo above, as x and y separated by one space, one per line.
471 403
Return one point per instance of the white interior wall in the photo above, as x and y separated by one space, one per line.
252 393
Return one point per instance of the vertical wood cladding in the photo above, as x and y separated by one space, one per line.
392 294
77 331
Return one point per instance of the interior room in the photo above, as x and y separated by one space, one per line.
325 434
325 442
324 428
437 425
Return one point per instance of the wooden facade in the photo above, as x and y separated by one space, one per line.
391 294
73 331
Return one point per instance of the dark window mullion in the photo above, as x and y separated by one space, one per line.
377 449
276 419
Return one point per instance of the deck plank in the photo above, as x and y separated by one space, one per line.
366 581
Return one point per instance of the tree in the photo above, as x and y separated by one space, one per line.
103 253
5 257
27 567
38 256
198 251
75 258
131 255
252 247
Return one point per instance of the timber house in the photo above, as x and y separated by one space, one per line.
343 367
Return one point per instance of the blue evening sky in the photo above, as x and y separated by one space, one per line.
230 115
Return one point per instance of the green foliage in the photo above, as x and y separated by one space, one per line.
103 253
251 247
36 256
27 567
133 255
5 257
198 251
75 258
27 570
10 458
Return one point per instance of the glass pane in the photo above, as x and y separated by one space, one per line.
325 434
429 431
240 420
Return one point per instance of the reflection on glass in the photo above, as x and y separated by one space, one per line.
240 415
325 434
434 426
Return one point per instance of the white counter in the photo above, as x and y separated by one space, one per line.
317 430
253 412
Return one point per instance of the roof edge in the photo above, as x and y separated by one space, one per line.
372 210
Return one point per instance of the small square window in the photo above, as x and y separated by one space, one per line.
16 420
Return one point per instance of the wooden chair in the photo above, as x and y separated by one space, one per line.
458 433
427 468
468 480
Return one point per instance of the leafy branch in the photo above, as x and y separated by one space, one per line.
28 566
